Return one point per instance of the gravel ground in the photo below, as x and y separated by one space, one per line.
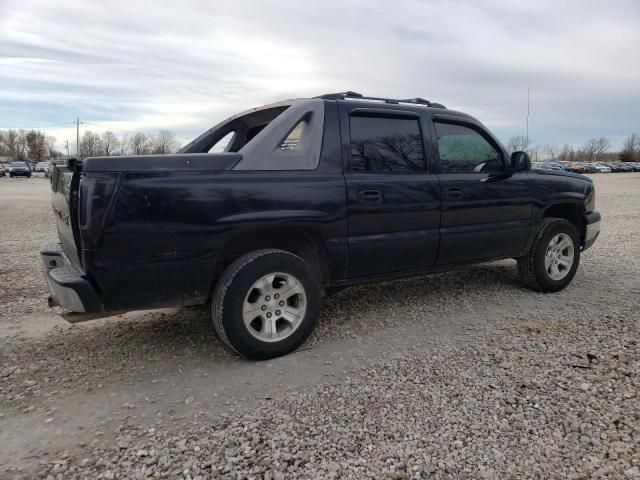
464 375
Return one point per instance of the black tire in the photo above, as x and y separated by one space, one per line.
237 281
531 267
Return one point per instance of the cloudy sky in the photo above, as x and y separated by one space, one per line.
143 65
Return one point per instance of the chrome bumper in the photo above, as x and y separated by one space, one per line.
591 230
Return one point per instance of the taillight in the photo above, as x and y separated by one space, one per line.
95 194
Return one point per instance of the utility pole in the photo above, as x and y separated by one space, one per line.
67 147
528 94
78 122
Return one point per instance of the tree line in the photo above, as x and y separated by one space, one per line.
594 150
37 146
109 143
23 145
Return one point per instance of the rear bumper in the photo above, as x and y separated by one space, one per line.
591 229
68 288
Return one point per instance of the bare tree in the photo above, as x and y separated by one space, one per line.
602 145
139 144
9 140
164 142
550 152
109 143
589 150
36 145
566 153
123 146
90 145
630 148
51 147
595 148
535 153
21 145
517 143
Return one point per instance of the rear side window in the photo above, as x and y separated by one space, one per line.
293 139
386 145
464 150
222 144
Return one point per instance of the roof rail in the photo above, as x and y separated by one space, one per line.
340 96
359 96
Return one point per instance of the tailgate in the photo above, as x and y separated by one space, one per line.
64 186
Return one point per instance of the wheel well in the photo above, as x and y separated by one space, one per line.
569 212
303 242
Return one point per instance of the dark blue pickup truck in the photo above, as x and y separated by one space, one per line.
269 210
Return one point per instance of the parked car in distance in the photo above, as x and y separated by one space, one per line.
555 166
3 171
19 169
42 167
599 167
576 167
623 167
309 196
589 168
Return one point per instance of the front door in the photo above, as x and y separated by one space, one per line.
393 201
486 209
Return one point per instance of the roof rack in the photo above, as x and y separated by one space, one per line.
359 96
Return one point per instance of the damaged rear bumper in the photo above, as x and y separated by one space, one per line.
68 289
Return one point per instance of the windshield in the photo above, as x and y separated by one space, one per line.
17 164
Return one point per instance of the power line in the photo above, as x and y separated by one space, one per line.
112 128
38 128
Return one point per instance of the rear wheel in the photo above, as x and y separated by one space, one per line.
553 259
266 303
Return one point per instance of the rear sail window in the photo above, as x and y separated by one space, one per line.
293 139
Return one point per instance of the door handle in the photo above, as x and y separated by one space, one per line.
453 192
370 196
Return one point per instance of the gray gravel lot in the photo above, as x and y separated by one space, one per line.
459 375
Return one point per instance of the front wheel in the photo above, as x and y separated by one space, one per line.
552 262
266 303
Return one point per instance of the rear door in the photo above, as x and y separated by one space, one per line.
393 200
486 210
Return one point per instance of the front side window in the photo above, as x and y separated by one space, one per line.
464 150
386 145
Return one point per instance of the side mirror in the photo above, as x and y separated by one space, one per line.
520 161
